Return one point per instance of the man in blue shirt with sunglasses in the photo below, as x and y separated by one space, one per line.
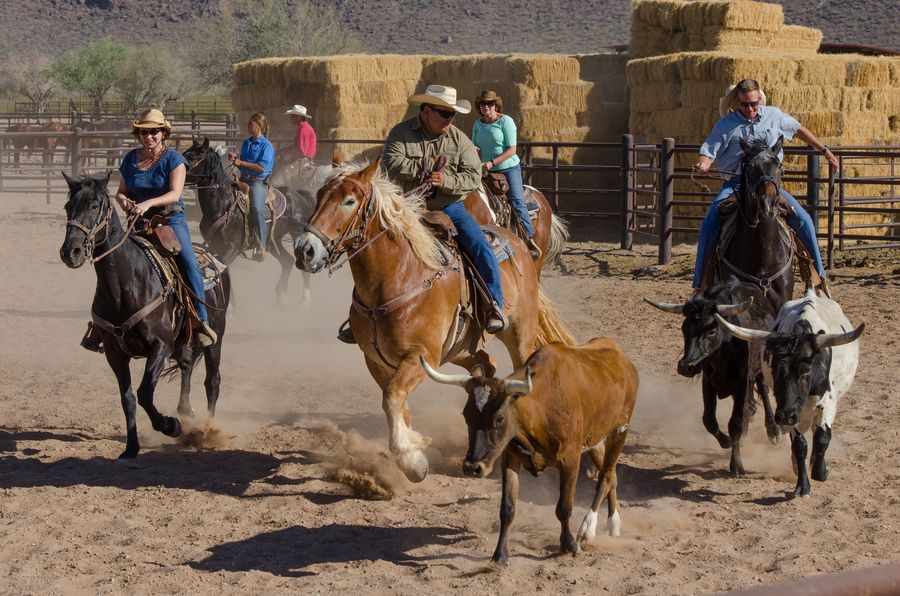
751 119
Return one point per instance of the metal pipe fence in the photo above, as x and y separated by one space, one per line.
639 186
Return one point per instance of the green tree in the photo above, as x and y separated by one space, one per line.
269 29
152 76
91 70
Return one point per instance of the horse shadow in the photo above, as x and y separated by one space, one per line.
170 466
290 551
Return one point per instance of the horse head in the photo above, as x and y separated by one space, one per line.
88 213
201 161
760 180
339 221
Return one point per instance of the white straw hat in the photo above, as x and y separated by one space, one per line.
728 101
441 96
298 110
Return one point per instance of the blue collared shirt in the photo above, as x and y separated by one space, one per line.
723 143
259 151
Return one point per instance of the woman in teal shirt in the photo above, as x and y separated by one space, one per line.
495 136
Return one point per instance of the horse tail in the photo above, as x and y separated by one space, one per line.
559 235
551 325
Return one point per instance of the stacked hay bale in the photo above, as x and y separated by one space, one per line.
551 97
844 99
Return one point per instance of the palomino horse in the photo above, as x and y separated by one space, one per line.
406 300
760 251
222 223
142 310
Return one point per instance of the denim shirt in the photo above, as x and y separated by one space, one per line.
258 151
723 143
154 181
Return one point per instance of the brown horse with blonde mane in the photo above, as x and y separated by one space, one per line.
406 298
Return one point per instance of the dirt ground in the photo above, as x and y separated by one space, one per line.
292 489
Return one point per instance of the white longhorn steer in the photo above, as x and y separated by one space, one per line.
814 356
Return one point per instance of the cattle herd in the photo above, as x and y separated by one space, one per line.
566 401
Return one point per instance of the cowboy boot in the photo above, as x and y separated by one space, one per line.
204 336
496 320
534 249
345 333
92 339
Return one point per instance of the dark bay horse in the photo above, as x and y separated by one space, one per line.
761 249
131 296
222 224
406 299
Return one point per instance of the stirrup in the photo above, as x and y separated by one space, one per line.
345 333
259 255
823 290
92 340
534 249
496 321
204 336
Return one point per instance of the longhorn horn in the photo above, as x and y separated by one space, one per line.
458 380
675 309
830 340
744 333
514 387
733 309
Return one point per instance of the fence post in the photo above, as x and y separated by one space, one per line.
666 197
76 152
555 177
194 124
829 248
626 237
529 180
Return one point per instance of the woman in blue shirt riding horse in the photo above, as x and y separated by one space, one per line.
255 161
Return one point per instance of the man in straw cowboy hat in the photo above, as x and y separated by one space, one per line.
410 152
750 118
304 147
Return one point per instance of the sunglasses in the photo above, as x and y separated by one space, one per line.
749 104
446 114
149 131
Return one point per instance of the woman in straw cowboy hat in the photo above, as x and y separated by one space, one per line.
304 147
494 134
152 183
256 160
745 116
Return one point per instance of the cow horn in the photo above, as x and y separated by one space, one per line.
675 309
459 380
733 309
830 340
742 332
514 387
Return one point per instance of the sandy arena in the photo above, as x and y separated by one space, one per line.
291 487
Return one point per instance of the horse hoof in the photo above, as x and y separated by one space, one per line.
187 412
174 429
414 465
127 456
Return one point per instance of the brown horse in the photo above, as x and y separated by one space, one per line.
406 300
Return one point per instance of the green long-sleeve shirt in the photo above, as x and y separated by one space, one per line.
409 142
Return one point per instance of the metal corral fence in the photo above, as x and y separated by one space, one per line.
627 184
214 109
654 208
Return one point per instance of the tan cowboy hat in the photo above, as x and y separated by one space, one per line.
489 97
728 101
298 110
441 96
151 118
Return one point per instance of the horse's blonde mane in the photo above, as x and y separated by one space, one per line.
398 214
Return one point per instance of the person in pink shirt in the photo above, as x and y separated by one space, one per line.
304 147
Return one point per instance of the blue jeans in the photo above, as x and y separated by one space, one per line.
799 221
258 192
187 261
516 197
472 241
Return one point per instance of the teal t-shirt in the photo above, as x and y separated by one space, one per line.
495 138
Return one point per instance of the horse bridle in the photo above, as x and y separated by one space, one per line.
335 247
194 165
752 194
102 223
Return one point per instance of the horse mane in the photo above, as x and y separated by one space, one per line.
755 148
400 215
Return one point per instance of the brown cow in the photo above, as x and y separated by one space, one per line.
562 402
